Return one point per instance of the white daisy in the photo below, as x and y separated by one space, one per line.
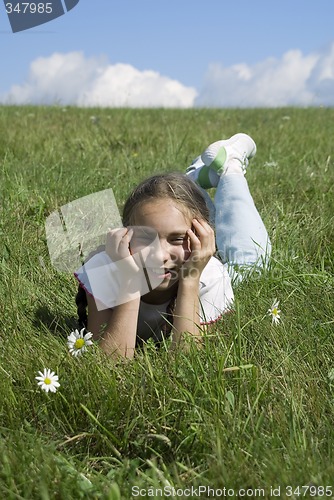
78 342
48 380
274 312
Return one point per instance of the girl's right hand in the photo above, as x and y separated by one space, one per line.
118 243
118 248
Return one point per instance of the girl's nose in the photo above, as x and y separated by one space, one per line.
163 251
156 254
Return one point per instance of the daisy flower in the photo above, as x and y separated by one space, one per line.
274 312
78 342
48 380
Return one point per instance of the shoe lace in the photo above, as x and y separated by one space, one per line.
243 161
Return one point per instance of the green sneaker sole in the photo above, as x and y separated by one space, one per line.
219 162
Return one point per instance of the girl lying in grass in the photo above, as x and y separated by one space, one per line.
158 275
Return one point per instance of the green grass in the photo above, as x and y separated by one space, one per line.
254 407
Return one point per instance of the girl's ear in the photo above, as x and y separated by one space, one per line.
194 230
187 248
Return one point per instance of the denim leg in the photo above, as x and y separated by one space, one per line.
210 205
242 239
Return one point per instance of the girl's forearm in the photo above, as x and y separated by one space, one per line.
186 314
119 337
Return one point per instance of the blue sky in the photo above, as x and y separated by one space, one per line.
178 53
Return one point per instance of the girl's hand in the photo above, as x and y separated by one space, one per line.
118 243
202 248
118 248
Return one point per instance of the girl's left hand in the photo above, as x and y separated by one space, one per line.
202 248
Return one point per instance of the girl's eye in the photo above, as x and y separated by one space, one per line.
143 239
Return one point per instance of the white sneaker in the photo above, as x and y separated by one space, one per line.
231 155
204 176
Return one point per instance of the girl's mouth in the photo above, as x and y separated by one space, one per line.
162 273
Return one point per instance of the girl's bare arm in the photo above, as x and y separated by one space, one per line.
115 328
186 314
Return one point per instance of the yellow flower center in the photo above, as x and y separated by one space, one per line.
47 381
275 311
79 343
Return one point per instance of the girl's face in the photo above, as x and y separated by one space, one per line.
168 226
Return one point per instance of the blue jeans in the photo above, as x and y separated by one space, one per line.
242 240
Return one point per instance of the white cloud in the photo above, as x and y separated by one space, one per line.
73 79
293 80
124 86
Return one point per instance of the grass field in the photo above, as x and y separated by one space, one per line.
253 409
